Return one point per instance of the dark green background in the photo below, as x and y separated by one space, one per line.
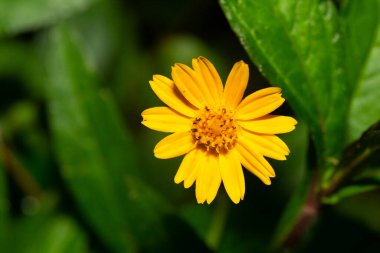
77 171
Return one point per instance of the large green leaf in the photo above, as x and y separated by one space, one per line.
22 15
96 154
363 62
298 46
89 141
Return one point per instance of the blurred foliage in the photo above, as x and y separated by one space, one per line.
77 171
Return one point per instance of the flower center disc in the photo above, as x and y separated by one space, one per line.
215 129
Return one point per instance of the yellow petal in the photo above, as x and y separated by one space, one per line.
250 163
189 181
266 144
208 179
259 94
277 141
236 84
232 175
174 145
256 159
165 90
270 124
199 161
188 166
165 119
190 85
215 180
200 185
206 70
259 107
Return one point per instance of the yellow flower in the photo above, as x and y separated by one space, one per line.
217 130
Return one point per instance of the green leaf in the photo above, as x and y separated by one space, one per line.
371 175
298 46
23 15
366 181
47 234
363 153
363 69
97 155
349 191
355 174
89 141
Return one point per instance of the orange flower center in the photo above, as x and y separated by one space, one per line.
215 129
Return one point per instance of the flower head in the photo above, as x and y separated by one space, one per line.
216 129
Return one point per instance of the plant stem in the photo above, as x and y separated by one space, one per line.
306 217
345 173
17 171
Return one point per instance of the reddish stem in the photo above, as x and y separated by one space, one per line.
306 218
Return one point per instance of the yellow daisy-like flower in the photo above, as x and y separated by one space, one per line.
217 130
